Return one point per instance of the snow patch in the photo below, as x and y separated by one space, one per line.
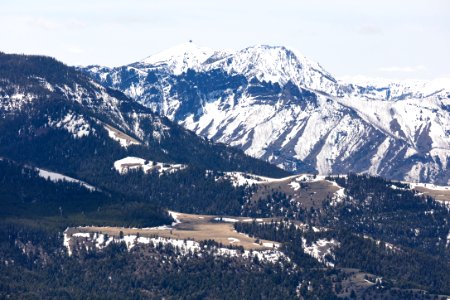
228 220
57 177
135 163
118 136
321 250
82 234
74 124
174 216
294 185
241 179
271 245
233 240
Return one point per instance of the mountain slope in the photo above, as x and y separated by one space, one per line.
279 106
55 115
55 118
27 195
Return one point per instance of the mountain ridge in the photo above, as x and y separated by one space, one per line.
286 109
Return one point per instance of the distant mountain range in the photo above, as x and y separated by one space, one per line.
278 105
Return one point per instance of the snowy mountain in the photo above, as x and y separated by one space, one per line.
178 59
278 105
275 64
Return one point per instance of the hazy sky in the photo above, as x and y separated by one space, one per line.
379 38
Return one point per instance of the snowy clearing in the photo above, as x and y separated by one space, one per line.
118 136
57 177
95 240
129 163
321 250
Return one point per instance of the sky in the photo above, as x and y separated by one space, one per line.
395 39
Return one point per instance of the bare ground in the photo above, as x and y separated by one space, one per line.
310 194
441 195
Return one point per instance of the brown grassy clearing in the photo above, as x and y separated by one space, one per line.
442 195
311 194
192 227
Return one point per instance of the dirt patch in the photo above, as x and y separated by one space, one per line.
441 195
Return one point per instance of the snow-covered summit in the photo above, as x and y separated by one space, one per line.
180 58
277 64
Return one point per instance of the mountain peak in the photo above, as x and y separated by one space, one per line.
277 64
180 58
285 51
